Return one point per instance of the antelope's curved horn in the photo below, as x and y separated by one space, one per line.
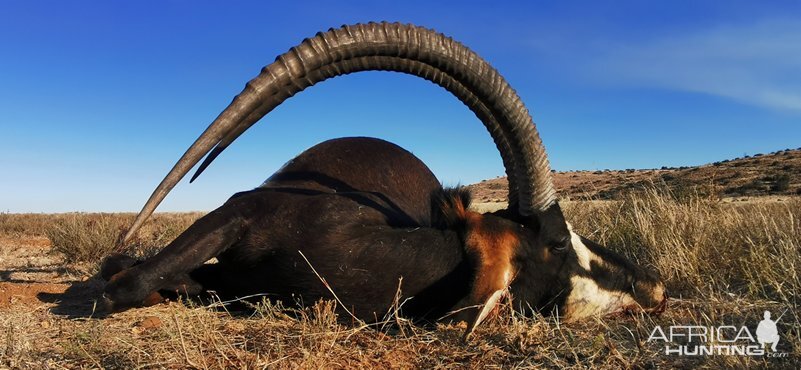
292 72
374 63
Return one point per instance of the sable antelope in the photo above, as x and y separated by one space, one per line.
362 213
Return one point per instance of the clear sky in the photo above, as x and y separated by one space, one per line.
98 99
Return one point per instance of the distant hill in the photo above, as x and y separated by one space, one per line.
777 173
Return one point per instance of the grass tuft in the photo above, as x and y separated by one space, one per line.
88 237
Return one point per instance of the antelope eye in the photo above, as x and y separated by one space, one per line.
561 246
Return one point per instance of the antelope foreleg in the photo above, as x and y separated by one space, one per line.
139 284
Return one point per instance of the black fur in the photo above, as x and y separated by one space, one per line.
370 218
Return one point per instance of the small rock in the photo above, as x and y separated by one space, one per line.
149 322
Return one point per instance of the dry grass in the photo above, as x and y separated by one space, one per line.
723 262
702 246
88 237
27 224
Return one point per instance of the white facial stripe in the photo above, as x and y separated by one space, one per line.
584 254
587 298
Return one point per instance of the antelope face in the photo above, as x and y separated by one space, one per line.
603 282
548 268
577 278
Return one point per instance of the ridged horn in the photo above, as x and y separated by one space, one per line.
294 70
425 71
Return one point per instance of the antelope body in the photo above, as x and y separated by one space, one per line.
365 220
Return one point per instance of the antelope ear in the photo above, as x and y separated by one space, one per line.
493 276
490 243
552 227
484 310
115 263
490 285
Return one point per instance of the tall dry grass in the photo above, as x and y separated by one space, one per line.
88 237
701 245
723 264
25 224
83 237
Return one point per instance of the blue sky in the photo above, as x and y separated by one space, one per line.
99 99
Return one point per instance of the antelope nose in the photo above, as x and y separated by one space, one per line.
662 306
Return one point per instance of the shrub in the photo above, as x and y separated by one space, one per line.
32 224
88 237
782 183
496 186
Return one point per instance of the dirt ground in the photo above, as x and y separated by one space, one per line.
47 320
27 271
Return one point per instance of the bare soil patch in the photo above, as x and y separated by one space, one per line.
27 293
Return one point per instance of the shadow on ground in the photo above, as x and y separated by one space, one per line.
78 301
8 275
